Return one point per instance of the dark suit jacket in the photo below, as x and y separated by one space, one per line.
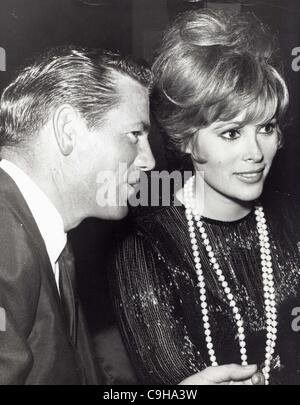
35 347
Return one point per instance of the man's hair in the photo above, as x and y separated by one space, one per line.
212 66
85 79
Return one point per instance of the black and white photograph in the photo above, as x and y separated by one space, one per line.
149 195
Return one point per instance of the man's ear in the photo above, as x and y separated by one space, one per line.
64 124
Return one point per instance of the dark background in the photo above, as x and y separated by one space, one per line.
134 27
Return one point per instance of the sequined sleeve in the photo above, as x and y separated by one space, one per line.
157 296
145 301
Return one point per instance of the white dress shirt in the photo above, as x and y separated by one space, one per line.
46 216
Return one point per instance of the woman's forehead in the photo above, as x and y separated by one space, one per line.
258 112
244 118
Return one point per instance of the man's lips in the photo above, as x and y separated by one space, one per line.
134 184
133 179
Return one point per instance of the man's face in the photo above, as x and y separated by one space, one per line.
113 156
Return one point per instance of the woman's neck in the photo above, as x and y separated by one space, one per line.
211 204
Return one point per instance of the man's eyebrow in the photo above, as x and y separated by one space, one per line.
143 124
140 126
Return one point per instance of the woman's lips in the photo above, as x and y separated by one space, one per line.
253 176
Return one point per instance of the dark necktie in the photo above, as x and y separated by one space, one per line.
77 330
66 288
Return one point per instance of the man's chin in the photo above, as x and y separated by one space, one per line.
113 213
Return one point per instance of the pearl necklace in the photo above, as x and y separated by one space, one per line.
267 274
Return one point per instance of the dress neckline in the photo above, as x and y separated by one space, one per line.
223 223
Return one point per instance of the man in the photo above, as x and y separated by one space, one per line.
74 140
68 123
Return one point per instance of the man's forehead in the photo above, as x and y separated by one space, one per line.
132 109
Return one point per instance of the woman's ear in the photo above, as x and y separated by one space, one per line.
191 147
64 124
187 145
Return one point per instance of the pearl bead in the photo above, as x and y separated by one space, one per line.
267 276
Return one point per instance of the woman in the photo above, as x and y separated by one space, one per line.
215 280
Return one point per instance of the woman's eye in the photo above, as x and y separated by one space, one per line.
268 129
231 135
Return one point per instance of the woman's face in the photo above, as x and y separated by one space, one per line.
234 158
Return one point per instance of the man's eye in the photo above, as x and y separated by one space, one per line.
268 129
231 135
134 136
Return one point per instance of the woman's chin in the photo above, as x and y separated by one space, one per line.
251 194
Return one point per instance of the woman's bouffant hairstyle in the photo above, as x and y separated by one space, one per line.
212 66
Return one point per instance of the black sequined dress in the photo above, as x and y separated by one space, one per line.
157 300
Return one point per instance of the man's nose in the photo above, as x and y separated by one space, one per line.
145 159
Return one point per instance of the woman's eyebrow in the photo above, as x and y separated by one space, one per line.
223 124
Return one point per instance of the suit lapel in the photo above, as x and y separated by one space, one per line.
11 194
